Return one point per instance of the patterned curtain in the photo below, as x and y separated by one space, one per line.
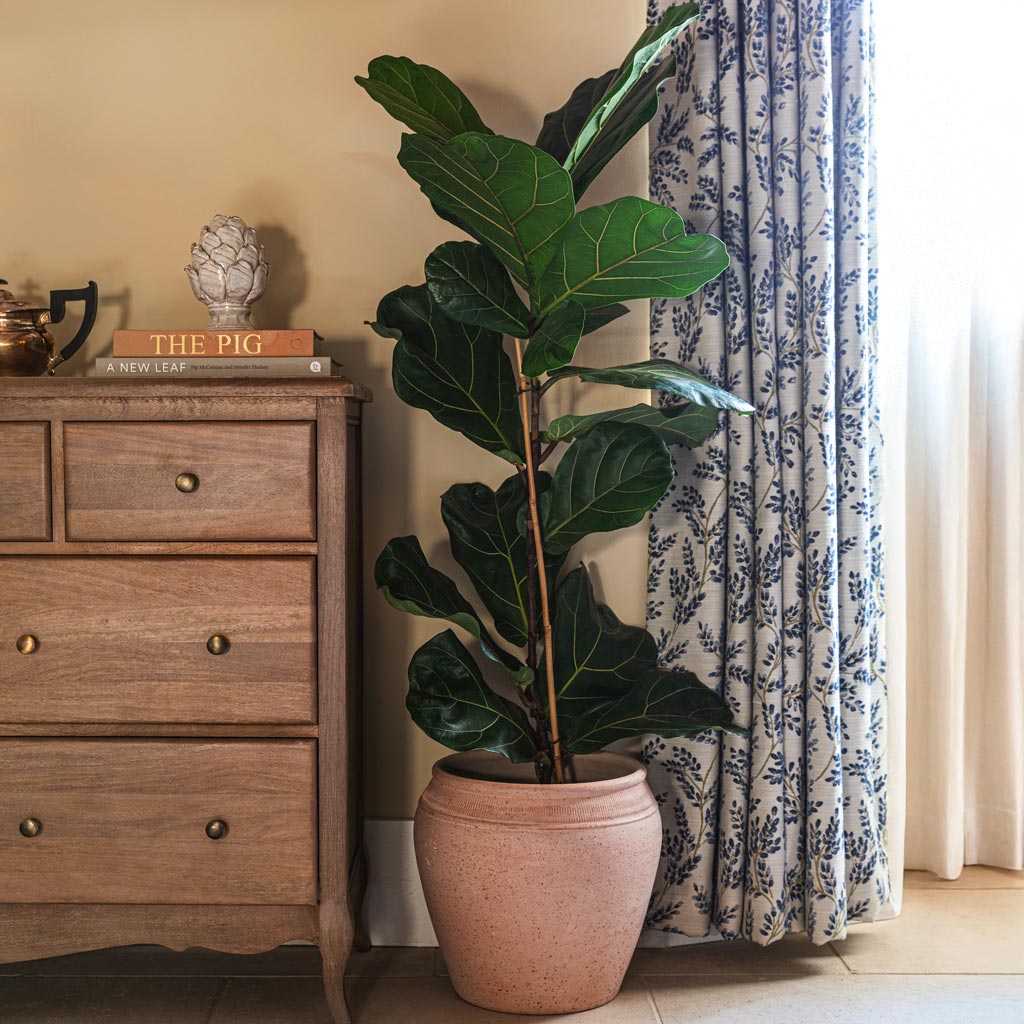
766 556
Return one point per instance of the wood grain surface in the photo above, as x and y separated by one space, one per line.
208 730
339 705
256 481
186 547
123 821
30 931
24 481
121 732
124 639
143 407
69 388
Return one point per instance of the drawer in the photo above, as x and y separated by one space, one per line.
124 821
24 481
121 639
252 481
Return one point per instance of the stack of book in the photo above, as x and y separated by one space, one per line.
215 354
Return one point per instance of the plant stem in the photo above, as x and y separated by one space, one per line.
531 587
547 451
531 417
531 694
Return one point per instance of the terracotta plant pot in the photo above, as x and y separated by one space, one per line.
537 893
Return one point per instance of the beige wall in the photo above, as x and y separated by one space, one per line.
129 124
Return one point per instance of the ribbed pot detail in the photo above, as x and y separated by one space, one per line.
537 893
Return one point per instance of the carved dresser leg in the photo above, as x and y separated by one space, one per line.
336 934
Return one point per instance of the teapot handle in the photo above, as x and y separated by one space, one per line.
58 300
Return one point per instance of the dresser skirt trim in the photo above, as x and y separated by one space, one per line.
31 931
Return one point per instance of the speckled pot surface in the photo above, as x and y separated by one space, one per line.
537 893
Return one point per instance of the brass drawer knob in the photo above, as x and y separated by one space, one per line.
217 829
186 482
30 828
27 644
218 644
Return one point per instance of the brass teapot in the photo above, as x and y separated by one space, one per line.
27 349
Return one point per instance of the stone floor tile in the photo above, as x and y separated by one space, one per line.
276 1001
792 955
973 877
392 962
102 1000
433 1001
943 932
839 999
284 962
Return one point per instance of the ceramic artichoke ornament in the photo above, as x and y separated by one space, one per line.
228 272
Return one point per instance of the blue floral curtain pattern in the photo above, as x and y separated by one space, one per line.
766 556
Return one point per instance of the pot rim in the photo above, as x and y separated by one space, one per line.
633 772
465 796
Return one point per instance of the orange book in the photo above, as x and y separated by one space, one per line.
212 344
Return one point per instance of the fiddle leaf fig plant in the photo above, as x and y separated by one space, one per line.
545 274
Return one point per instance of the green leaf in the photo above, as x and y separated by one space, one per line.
511 196
488 544
607 480
629 87
554 343
659 375
597 657
636 110
458 373
628 249
411 584
451 218
670 704
421 97
449 700
638 107
689 424
562 126
471 286
599 316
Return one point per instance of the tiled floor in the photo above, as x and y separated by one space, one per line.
956 956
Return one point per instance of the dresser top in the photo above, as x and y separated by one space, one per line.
206 387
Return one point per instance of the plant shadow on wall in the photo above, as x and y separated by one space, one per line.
497 324
516 116
277 308
545 274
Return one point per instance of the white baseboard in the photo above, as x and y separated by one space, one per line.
395 912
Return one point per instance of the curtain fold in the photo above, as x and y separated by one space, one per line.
766 555
953 320
964 566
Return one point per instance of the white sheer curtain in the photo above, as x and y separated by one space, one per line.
952 314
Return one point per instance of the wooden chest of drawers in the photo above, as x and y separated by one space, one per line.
179 666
